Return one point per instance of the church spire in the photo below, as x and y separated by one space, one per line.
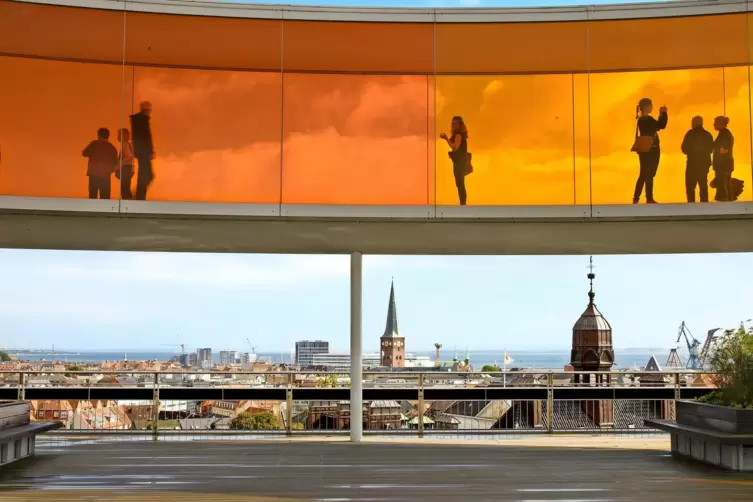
591 277
391 328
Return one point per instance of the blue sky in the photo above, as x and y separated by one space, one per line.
97 300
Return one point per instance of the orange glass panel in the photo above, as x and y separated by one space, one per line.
356 139
216 134
520 134
199 41
682 42
511 47
51 110
349 46
62 32
614 96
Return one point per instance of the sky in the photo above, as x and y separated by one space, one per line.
107 300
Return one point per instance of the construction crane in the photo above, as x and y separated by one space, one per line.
694 361
252 356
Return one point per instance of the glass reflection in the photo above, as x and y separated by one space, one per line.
355 139
520 134
204 135
51 111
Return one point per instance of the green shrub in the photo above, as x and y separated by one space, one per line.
264 421
732 363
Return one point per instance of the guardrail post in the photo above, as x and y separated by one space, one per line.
289 406
155 407
420 405
21 386
550 402
677 395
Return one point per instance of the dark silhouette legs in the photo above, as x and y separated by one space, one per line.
649 163
693 178
145 177
723 186
99 186
460 183
126 175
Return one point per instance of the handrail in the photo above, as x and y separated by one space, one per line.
404 374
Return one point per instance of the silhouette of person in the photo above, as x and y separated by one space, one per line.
458 141
103 161
126 164
698 145
143 148
723 161
649 161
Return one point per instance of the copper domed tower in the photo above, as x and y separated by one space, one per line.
592 338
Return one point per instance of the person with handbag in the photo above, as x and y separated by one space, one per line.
723 161
647 147
698 145
461 165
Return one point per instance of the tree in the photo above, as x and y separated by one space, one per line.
489 368
4 356
264 421
73 368
732 363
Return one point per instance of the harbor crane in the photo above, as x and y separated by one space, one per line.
694 360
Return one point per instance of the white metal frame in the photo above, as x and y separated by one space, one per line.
417 15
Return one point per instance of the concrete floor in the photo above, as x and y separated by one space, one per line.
383 470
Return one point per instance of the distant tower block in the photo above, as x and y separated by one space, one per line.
592 339
437 346
392 342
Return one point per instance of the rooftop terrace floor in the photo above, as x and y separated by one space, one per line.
578 468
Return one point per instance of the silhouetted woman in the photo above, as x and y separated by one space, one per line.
458 142
649 161
723 161
125 174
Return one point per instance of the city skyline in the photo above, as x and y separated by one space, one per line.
130 301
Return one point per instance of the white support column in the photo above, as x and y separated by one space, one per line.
356 349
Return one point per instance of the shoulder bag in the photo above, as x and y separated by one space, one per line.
642 144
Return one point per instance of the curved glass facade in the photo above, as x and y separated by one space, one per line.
272 111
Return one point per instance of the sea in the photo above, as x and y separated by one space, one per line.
540 359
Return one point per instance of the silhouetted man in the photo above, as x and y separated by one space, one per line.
698 145
103 161
143 148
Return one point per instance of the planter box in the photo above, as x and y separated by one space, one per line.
714 417
14 414
712 434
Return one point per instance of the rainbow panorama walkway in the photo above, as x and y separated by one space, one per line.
569 468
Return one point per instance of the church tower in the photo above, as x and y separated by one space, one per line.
592 339
392 342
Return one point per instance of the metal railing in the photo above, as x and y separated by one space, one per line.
416 403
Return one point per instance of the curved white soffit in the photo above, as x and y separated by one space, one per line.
408 15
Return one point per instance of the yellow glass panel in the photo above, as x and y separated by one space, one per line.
737 109
356 139
216 133
520 134
51 110
614 97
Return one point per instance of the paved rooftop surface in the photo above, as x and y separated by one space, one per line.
538 469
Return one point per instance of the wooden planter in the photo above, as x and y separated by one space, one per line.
716 435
